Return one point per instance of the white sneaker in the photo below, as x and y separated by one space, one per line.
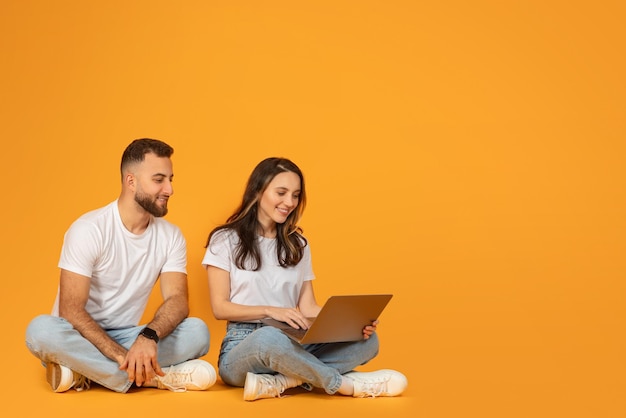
189 375
260 386
378 383
62 379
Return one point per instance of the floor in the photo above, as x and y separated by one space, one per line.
220 398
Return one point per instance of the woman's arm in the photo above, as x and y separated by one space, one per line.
307 303
223 308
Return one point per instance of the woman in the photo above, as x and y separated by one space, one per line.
259 266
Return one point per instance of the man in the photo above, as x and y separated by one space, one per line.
110 261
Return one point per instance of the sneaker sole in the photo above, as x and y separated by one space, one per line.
249 392
54 375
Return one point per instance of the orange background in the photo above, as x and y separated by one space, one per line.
466 156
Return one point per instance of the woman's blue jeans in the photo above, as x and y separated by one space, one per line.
256 348
54 339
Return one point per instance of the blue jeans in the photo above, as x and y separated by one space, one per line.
252 347
54 339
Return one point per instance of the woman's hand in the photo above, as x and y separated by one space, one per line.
368 330
291 316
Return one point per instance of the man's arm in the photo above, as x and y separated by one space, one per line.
141 361
175 306
73 296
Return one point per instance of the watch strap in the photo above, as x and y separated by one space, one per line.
150 334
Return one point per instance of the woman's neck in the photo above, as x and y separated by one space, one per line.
269 232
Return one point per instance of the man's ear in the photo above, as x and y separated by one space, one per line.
130 181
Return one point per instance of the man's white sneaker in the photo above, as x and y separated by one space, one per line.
189 375
379 383
260 386
62 379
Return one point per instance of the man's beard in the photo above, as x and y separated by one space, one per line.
149 204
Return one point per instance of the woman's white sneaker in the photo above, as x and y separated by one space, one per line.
263 386
379 383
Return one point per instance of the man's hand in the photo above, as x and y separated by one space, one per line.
141 361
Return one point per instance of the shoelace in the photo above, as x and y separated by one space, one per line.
176 381
373 389
81 383
271 385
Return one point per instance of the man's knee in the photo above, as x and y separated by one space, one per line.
41 329
196 326
199 330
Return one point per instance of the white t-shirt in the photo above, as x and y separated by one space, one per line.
271 285
123 266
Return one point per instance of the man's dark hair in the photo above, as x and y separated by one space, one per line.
136 151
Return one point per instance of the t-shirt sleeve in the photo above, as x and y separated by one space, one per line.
218 252
81 246
307 264
177 254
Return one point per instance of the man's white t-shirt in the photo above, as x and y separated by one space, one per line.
123 266
272 285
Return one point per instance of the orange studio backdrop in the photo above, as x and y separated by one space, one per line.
467 157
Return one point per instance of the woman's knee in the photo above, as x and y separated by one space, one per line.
373 345
270 339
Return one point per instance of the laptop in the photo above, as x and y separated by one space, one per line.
341 319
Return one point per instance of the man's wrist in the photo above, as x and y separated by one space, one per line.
150 334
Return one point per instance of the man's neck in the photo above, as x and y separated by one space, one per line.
133 216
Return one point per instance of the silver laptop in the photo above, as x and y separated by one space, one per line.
341 319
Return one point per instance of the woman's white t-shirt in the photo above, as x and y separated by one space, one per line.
271 285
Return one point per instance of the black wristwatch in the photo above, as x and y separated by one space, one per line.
150 333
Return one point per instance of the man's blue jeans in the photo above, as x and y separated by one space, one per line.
53 339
